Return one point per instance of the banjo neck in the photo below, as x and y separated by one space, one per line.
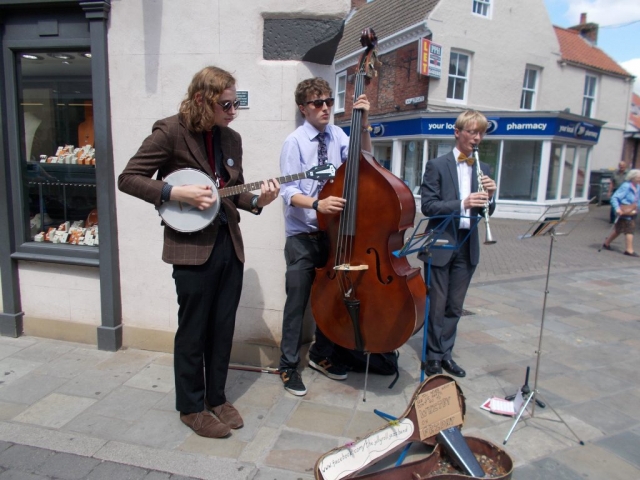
250 187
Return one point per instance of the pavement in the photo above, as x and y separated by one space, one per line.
70 411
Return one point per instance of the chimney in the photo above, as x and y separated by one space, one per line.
588 31
357 3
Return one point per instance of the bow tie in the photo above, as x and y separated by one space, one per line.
463 158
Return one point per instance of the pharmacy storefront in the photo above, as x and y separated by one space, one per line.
537 159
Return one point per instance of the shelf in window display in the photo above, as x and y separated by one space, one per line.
60 174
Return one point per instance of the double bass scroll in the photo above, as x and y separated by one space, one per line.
365 298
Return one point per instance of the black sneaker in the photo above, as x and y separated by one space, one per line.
328 368
292 381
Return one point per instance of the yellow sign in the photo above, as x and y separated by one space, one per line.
429 58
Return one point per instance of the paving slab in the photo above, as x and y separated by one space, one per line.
592 461
625 445
55 410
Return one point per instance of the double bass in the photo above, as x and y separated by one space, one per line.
365 298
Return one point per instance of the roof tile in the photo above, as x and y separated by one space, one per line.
386 17
576 49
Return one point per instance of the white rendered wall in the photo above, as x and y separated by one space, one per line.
520 35
60 292
500 48
153 54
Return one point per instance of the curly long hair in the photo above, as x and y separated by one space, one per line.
209 82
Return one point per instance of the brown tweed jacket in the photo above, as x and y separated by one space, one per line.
171 146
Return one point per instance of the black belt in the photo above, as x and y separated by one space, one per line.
317 234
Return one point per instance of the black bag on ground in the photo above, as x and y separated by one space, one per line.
379 363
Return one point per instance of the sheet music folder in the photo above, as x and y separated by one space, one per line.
556 217
422 241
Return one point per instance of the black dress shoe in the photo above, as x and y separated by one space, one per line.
433 367
453 368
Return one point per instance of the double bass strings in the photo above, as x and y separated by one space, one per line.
347 228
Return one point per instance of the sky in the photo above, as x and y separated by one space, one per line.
619 32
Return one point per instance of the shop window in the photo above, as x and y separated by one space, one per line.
529 86
589 98
341 89
482 7
567 172
489 153
581 174
458 77
412 153
437 148
55 110
520 170
383 152
553 176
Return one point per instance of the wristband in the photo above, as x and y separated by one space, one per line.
314 205
165 195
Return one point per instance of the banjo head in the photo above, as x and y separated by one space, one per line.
181 216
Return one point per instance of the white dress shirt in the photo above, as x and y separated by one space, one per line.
464 188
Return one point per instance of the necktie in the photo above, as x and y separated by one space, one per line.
463 158
211 156
322 155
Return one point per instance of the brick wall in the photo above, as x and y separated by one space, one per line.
397 80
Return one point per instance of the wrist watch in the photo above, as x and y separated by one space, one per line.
314 205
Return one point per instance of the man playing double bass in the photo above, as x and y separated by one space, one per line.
314 143
450 185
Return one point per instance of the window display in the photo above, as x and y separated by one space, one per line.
382 153
57 140
520 170
412 153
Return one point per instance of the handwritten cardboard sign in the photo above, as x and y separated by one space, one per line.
349 459
438 409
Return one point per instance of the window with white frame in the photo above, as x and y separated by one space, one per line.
458 77
529 88
341 88
589 98
482 7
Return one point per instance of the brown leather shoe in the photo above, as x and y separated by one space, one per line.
205 424
227 414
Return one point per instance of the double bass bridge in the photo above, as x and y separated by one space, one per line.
345 267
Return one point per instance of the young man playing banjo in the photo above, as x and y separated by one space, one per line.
208 264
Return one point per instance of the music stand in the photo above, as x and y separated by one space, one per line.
553 218
422 241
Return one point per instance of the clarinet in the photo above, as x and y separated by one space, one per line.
488 240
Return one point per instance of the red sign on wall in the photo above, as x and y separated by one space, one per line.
430 58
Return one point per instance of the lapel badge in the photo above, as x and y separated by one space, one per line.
230 162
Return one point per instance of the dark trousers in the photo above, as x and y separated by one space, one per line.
303 254
449 285
208 297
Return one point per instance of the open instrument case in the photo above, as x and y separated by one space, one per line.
437 404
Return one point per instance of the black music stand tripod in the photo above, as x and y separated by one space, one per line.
423 242
546 225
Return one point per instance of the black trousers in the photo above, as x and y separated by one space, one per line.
303 254
208 298
449 285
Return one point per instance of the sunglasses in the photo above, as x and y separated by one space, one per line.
226 106
318 102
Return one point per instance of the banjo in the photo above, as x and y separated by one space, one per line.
186 218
